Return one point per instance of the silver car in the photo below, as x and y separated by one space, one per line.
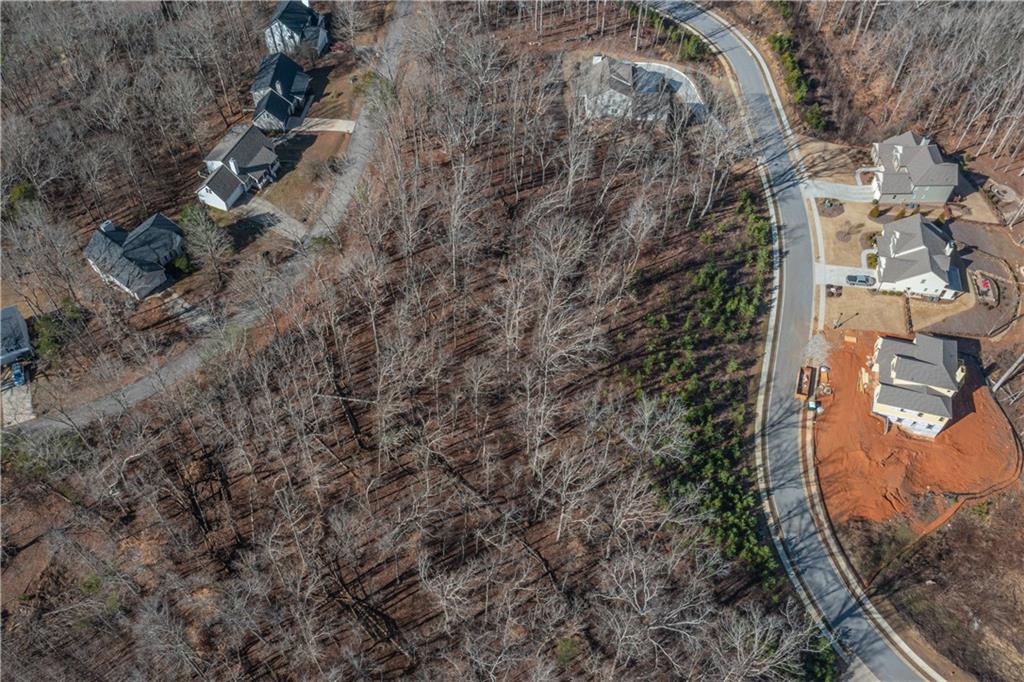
860 281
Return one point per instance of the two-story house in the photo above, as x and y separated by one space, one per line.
295 25
911 170
243 160
915 258
278 91
916 382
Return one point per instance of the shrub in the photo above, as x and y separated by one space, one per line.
874 211
816 118
21 192
692 48
785 8
566 650
820 662
746 203
183 264
780 42
53 330
872 260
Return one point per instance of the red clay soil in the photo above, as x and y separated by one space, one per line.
870 475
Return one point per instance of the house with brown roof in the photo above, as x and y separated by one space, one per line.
911 170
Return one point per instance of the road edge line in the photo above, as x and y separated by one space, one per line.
760 461
839 563
841 566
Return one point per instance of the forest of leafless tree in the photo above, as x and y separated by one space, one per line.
105 104
944 65
429 461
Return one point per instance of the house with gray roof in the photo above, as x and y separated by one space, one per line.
295 25
242 161
278 91
910 169
14 339
613 88
916 258
916 382
136 261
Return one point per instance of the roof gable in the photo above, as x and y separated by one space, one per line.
130 257
274 105
294 15
278 68
245 144
223 183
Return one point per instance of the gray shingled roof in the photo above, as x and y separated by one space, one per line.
916 400
648 89
248 146
896 183
14 340
136 259
927 168
278 68
924 362
274 105
294 15
921 165
911 247
223 183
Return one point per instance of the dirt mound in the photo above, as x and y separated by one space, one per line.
875 476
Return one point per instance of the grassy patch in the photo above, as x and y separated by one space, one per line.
566 650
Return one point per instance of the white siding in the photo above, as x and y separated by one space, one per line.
210 199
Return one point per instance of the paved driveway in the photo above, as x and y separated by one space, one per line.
16 404
860 194
837 274
324 125
270 216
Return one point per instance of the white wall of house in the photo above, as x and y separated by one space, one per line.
927 286
110 280
206 196
279 38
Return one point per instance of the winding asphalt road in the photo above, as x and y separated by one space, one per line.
868 641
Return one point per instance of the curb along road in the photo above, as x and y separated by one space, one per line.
803 538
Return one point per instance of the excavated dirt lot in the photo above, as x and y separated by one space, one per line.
933 529
866 474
